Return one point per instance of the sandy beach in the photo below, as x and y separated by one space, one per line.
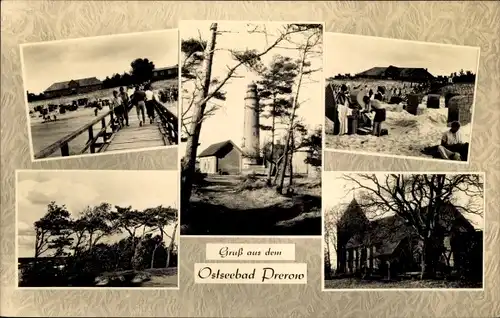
44 134
408 134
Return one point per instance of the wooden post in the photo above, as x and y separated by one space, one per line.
111 121
65 150
103 125
91 136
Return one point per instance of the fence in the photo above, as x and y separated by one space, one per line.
169 123
107 121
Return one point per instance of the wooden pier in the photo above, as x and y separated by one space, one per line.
112 137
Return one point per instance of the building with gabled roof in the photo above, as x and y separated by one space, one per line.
390 244
168 72
410 74
73 87
222 157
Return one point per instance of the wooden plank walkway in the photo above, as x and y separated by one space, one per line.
136 137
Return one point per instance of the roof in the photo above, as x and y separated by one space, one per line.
81 82
374 71
166 68
389 231
403 72
217 148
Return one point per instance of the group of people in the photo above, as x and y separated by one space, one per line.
371 113
141 97
369 110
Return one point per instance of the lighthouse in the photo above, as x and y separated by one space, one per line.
251 128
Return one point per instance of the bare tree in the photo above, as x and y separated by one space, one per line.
331 221
307 49
420 200
203 94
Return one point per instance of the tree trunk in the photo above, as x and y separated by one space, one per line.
171 245
277 167
90 241
427 260
134 259
37 250
328 264
423 265
188 168
271 160
292 148
153 255
295 101
388 270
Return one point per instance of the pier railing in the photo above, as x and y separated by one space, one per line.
93 144
168 124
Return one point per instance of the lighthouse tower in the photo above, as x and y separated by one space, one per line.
251 128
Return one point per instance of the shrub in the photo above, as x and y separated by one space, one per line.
251 182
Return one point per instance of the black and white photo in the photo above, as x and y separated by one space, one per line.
113 93
251 127
399 98
403 230
97 228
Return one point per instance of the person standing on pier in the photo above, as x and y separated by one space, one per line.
130 91
125 102
116 107
150 106
140 98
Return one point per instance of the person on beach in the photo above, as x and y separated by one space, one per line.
343 110
380 113
125 103
380 94
117 107
451 141
140 98
150 106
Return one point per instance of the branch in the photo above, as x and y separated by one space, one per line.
234 68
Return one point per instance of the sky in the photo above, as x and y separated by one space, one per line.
227 123
46 63
78 189
338 191
355 53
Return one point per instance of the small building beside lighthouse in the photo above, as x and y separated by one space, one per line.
222 157
251 129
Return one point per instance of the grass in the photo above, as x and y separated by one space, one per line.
223 207
356 283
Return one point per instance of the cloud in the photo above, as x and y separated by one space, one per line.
25 246
98 56
25 229
37 197
77 189
39 188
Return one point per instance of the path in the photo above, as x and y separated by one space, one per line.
136 137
